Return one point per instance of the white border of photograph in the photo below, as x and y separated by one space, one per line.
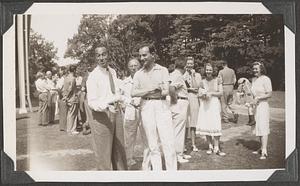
9 110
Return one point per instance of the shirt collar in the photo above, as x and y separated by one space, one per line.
103 69
128 79
155 67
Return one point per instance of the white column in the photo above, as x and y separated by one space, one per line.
26 30
21 67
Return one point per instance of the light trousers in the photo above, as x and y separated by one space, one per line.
179 118
130 133
157 123
226 101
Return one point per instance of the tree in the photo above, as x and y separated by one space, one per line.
42 55
239 39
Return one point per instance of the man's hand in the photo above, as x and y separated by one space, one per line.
112 108
194 90
117 98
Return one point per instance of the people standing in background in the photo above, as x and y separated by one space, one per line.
245 96
171 68
52 96
71 99
228 78
262 91
62 105
200 69
192 80
106 122
151 83
132 118
83 105
43 91
209 119
80 94
179 107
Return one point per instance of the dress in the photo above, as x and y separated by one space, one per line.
192 80
209 117
261 86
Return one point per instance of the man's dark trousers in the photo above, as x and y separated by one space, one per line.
108 140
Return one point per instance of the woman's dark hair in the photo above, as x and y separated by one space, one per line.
215 70
72 68
262 67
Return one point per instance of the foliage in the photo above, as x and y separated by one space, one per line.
42 55
239 39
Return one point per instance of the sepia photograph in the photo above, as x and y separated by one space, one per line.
150 92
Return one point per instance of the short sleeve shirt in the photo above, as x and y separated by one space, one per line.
177 81
261 85
228 76
145 80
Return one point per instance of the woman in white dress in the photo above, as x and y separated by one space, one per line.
262 90
209 117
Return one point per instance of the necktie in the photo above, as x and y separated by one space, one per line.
193 83
111 82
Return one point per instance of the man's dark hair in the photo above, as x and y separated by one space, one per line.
180 62
223 62
72 68
151 48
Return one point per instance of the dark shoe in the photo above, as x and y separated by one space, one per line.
251 120
86 132
235 118
225 120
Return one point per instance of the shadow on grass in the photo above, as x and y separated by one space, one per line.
22 117
249 144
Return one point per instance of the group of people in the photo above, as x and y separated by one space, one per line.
163 107
63 94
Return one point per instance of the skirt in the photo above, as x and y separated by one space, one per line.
193 110
209 118
262 118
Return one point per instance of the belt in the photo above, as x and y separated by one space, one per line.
227 84
191 91
184 98
160 98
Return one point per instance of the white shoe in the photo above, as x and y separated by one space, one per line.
131 162
186 156
75 133
181 160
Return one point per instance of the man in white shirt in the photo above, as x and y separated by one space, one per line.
52 96
43 90
62 105
179 107
103 96
151 83
132 118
